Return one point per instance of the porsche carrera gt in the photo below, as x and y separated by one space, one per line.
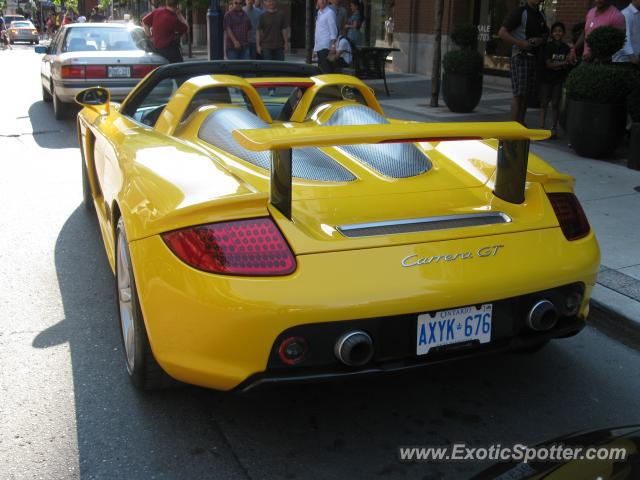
269 224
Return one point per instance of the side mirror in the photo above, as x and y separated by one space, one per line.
96 99
41 49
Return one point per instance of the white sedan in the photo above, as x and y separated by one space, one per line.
83 55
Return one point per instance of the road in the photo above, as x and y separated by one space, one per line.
67 409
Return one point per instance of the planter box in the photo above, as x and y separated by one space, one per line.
595 130
634 147
460 92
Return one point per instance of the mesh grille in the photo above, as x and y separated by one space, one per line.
308 163
423 224
395 160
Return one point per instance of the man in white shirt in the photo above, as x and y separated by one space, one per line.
344 55
631 50
326 35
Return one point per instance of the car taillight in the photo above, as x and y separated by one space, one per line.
72 71
139 71
252 247
95 71
34 31
573 221
13 30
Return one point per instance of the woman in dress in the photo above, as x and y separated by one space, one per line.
354 22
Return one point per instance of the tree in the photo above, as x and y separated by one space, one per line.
437 55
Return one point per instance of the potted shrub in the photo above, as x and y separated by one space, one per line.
596 98
633 105
462 78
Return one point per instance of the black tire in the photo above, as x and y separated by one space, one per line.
37 42
46 96
87 197
144 371
59 108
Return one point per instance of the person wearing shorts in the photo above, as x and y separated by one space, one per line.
526 29
556 58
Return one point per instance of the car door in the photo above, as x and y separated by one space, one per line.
49 59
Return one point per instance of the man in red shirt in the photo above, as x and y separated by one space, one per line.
162 25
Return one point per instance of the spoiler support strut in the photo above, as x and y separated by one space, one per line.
511 171
280 194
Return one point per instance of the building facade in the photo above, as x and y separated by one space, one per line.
407 25
414 26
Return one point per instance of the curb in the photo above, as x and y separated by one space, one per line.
614 324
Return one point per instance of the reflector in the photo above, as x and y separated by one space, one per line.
573 221
245 247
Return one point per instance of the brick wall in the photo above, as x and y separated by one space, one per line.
571 12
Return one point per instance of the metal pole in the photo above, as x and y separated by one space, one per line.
214 30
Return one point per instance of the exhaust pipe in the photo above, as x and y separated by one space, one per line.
542 316
354 349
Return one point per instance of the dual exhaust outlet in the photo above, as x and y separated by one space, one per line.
542 316
355 348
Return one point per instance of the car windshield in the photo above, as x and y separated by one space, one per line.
104 39
21 24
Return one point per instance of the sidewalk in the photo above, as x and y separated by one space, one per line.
608 191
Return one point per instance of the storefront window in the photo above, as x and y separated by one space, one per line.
381 22
490 15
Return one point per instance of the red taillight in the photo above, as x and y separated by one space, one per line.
573 221
72 71
139 71
95 71
245 247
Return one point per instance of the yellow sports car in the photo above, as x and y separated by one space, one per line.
269 224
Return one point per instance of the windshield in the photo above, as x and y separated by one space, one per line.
104 39
22 24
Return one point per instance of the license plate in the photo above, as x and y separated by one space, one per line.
453 326
118 72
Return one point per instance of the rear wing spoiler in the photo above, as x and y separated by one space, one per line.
513 149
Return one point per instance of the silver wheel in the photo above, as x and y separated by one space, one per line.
144 371
127 324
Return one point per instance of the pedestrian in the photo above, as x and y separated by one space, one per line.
556 55
96 16
354 22
272 35
344 52
388 30
254 14
237 26
163 25
525 28
603 14
68 17
341 14
326 35
630 53
4 38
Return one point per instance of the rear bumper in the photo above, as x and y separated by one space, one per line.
219 331
333 371
67 90
24 38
